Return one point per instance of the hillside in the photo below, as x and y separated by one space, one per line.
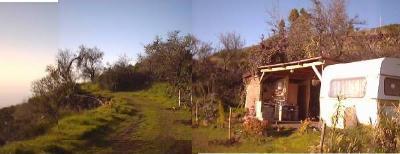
385 36
140 122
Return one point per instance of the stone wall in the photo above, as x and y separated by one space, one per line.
252 91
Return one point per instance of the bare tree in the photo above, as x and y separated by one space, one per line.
231 42
204 50
333 26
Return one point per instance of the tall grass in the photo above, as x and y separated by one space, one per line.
383 137
386 134
75 132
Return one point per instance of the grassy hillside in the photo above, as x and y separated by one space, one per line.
204 139
132 122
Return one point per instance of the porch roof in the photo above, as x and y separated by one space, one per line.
316 61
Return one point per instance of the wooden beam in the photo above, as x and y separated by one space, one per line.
317 72
290 67
263 73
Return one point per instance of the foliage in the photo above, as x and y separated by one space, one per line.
218 76
337 141
122 76
91 63
171 60
221 115
55 95
69 130
349 140
305 126
204 139
253 126
386 134
325 30
93 131
381 138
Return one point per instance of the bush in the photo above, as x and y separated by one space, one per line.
123 77
221 115
253 126
386 133
348 140
305 126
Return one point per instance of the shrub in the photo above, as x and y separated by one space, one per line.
221 115
253 126
348 140
345 140
123 77
386 133
304 126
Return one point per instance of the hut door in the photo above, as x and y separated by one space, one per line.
314 105
301 100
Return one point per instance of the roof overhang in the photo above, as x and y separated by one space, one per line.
311 62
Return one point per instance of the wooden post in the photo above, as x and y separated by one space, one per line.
321 143
197 119
229 124
179 98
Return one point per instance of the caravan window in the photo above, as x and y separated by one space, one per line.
349 88
392 86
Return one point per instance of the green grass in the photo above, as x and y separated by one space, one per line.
136 117
279 142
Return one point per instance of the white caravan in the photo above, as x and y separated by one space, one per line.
364 88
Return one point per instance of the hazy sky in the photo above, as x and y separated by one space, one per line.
28 42
31 33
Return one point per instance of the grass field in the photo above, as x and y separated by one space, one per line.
283 141
147 122
135 122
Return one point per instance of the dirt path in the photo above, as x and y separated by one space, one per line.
153 129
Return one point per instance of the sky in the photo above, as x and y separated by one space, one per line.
32 33
28 42
120 27
249 17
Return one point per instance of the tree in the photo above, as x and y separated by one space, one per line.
332 26
231 42
323 32
171 60
294 14
65 60
59 87
301 37
91 63
122 76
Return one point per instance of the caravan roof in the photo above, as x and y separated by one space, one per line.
380 66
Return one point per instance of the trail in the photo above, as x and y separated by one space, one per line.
153 129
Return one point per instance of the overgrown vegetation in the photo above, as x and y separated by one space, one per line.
214 139
128 118
324 30
122 76
171 60
55 95
201 72
380 138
